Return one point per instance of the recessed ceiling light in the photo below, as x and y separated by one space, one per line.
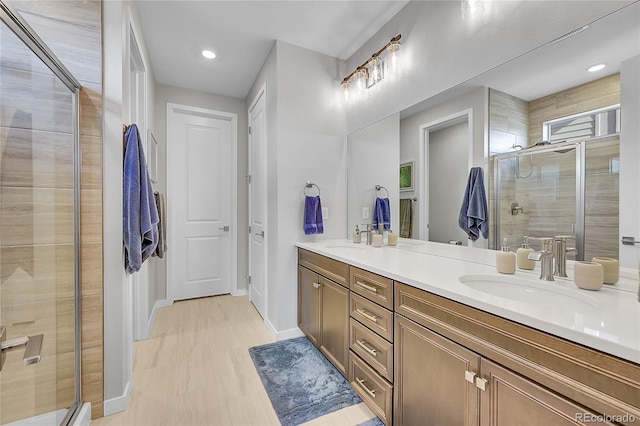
595 68
208 54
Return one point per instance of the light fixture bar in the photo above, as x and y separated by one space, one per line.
363 66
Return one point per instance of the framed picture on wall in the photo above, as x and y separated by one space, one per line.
406 176
152 161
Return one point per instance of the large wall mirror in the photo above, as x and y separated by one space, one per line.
497 121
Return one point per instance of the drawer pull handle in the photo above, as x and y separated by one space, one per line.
363 345
371 392
316 285
366 315
367 287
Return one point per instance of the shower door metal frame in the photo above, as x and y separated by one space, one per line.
10 17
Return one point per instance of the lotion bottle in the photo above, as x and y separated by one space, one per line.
357 236
506 259
522 255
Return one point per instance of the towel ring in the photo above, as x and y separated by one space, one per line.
378 188
311 185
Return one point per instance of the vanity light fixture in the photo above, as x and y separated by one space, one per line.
596 67
208 54
371 71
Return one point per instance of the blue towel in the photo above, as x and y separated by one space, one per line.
313 215
140 214
473 218
382 214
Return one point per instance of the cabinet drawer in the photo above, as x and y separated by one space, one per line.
330 268
372 348
375 391
373 287
373 316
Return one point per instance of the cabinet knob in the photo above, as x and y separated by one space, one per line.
481 383
316 285
470 376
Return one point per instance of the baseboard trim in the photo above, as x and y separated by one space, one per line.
118 404
282 335
289 334
240 292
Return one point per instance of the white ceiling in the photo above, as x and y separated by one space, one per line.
242 33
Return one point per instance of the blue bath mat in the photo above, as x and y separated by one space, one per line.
301 383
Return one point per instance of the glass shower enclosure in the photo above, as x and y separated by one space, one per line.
39 223
563 189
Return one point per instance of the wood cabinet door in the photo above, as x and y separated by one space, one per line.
510 399
429 378
334 323
309 303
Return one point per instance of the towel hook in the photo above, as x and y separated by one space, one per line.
378 188
310 184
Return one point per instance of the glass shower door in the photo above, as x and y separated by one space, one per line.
38 238
537 195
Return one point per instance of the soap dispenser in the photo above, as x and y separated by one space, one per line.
522 255
506 259
357 236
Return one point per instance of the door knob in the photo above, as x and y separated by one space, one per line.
261 233
224 228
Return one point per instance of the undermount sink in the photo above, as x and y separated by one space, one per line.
530 292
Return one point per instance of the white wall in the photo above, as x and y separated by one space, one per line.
448 173
169 94
370 151
440 50
629 160
305 141
474 100
118 19
115 333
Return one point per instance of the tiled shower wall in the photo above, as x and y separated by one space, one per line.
548 196
72 29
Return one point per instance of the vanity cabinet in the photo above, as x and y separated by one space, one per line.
323 305
418 358
458 365
446 383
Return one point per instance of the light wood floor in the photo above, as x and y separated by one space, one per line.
195 369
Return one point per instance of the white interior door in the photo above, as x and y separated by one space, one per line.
257 203
199 197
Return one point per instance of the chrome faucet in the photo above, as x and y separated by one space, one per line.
545 256
560 253
368 230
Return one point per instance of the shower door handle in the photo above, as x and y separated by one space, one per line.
629 241
32 350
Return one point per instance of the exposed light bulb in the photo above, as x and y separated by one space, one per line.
393 55
346 85
208 54
361 80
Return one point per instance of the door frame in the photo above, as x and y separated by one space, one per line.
423 175
262 93
173 108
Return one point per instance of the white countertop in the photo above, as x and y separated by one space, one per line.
607 320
